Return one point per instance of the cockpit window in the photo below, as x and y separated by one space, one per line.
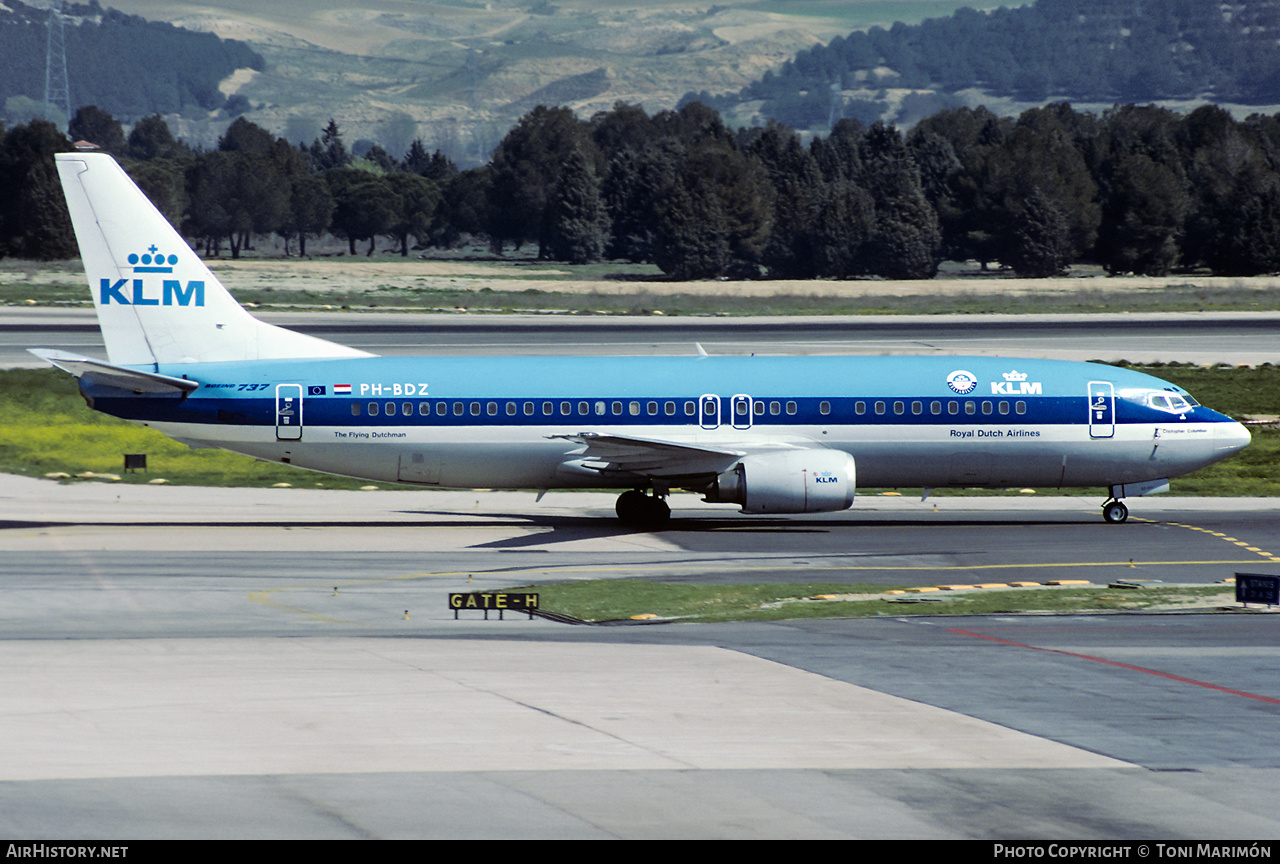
1169 400
1174 403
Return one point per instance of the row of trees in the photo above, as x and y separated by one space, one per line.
1137 189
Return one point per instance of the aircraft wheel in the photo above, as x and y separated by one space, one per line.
637 508
1115 511
631 505
659 512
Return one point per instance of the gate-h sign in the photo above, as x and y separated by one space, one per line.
1258 588
501 601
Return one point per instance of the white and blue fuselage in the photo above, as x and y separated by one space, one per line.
771 434
529 422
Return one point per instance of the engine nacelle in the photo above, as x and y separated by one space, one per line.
791 481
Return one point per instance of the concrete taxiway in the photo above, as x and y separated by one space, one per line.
177 663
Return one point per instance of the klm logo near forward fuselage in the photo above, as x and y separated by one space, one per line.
171 293
143 293
1015 383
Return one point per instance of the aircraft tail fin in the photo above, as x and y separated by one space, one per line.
156 300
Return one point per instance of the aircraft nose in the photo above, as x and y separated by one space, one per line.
1230 438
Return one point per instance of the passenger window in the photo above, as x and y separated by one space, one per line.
511 409
424 409
775 408
690 408
824 407
917 408
953 408
970 407
585 408
528 409
617 408
492 409
475 409
548 408
651 408
457 409
1003 407
373 409
600 409
935 407
899 408
1020 407
669 408
879 407
355 409
566 409
442 408
986 407
759 406
791 407
391 409
859 408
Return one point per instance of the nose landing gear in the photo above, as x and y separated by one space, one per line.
641 510
1114 511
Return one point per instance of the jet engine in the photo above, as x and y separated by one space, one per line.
792 481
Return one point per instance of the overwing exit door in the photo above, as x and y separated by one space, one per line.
709 410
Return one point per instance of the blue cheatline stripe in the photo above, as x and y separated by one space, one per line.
338 411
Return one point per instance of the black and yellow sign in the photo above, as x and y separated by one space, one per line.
502 601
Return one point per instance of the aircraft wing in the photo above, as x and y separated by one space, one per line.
648 457
115 376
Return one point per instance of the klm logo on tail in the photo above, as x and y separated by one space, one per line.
171 291
151 262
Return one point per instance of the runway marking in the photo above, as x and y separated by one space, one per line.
263 597
1120 665
1232 540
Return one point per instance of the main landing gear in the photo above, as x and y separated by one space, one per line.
1114 511
641 510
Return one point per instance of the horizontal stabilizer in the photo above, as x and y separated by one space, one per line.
115 376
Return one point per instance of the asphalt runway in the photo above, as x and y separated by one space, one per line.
1207 337
283 663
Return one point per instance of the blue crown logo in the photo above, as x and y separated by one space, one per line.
152 261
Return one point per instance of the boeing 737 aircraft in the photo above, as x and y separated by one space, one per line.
769 434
